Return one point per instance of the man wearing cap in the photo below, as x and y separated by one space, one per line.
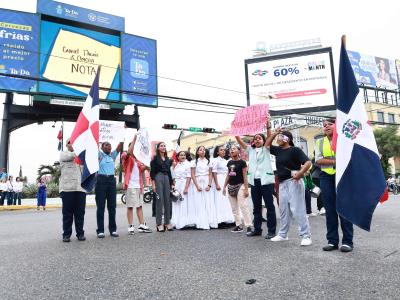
326 158
106 189
72 194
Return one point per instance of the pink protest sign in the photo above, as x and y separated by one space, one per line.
249 120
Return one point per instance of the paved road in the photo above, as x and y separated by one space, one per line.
193 264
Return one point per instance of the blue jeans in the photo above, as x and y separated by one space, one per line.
328 190
258 192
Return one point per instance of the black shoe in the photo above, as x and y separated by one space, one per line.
66 239
330 247
237 229
81 238
270 236
346 248
114 234
253 233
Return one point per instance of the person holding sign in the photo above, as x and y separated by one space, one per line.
133 185
160 173
291 165
261 178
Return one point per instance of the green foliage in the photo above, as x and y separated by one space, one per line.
388 142
29 191
54 171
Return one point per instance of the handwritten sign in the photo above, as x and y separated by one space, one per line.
249 120
112 132
141 148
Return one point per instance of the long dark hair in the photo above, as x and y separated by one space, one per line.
158 153
207 154
216 150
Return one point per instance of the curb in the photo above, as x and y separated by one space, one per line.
26 207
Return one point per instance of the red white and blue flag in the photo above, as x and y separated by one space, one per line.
85 136
178 147
360 182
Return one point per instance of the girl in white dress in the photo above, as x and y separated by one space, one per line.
206 216
182 181
219 170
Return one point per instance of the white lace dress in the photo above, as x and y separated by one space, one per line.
180 208
222 204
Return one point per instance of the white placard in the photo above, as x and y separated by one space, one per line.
142 147
112 132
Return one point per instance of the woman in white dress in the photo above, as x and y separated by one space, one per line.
182 181
203 197
219 170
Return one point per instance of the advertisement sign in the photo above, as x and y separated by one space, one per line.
139 65
250 120
295 82
72 54
19 41
80 14
373 71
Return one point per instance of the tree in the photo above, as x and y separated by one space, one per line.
388 145
54 171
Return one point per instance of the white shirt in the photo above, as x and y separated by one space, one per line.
10 186
202 167
219 165
182 170
3 186
134 181
18 186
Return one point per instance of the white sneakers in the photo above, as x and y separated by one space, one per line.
131 230
306 241
141 228
322 211
278 238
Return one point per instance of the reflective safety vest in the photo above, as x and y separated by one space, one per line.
327 152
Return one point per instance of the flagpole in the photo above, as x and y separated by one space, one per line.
344 40
62 134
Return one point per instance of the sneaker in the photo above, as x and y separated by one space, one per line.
313 214
237 229
66 239
270 236
278 238
144 228
346 248
131 230
322 211
306 241
330 247
81 238
114 234
101 235
253 233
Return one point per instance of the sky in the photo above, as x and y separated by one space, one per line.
204 43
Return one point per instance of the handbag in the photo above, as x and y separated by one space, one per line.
175 196
233 190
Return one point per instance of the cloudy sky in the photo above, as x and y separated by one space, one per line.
204 43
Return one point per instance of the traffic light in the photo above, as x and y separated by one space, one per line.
170 126
209 130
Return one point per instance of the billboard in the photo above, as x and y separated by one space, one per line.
294 82
19 42
72 54
139 69
374 71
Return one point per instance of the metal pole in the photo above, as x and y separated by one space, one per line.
5 134
62 134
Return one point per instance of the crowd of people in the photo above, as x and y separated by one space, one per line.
10 190
206 193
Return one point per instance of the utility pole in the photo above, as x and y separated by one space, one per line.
5 134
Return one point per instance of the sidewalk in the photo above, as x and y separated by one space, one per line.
30 203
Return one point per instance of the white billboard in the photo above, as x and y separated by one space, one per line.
295 82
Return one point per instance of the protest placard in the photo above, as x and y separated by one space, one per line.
250 120
112 132
142 147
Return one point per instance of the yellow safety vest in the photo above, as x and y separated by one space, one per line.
327 152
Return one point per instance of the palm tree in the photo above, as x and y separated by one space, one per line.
53 170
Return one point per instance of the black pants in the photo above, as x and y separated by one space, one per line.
10 198
3 196
106 190
17 197
258 192
73 208
308 201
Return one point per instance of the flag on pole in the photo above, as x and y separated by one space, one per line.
178 147
85 136
360 182
60 137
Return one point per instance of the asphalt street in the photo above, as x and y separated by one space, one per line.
193 264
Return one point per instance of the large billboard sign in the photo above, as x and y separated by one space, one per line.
19 43
139 65
374 71
294 82
73 42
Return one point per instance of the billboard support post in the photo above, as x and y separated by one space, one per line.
5 133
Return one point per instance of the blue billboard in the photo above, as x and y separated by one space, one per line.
373 71
71 54
80 14
19 43
139 70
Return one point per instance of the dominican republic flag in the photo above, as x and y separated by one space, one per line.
60 137
360 182
178 147
85 136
